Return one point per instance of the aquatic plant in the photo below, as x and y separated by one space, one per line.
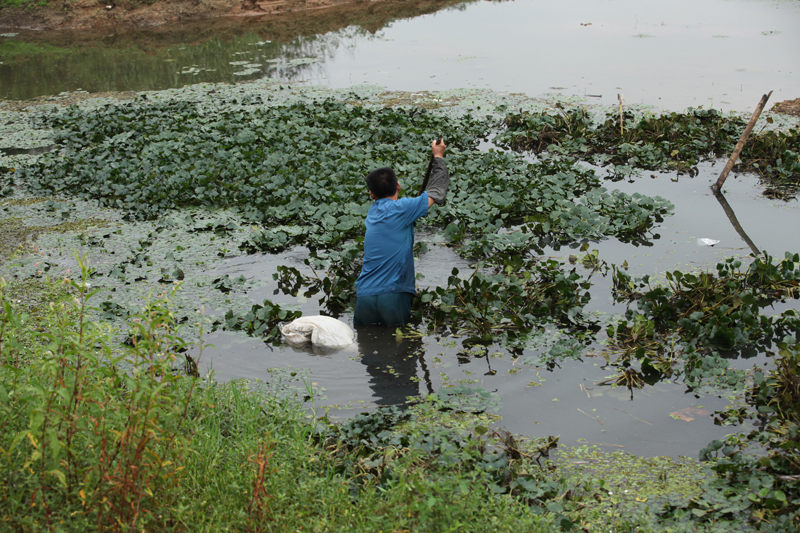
261 321
295 171
758 471
692 317
509 302
670 141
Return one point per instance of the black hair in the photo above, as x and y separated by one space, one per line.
382 182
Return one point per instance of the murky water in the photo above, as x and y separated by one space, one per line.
660 419
715 53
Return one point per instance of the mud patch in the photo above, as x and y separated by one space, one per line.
83 14
788 107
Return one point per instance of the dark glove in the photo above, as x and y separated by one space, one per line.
439 181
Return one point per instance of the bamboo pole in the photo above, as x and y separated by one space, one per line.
740 145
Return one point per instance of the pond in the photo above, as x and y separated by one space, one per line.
671 55
570 52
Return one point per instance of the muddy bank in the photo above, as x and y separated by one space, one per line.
94 14
789 107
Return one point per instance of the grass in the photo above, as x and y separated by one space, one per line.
101 437
23 3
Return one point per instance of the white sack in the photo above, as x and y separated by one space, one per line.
321 331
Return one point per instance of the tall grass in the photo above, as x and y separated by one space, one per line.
102 436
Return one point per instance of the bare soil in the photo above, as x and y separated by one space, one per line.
82 14
788 107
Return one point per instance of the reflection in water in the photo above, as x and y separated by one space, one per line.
391 364
35 70
735 222
290 47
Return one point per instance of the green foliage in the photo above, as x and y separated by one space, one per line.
337 284
99 437
676 141
148 157
765 485
295 172
373 450
693 317
775 157
293 175
509 302
261 321
20 3
96 444
100 440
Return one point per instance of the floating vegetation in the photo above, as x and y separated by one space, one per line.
147 158
261 321
488 306
671 141
691 318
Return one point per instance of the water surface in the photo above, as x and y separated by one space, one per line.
673 55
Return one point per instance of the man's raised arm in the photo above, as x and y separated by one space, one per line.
440 177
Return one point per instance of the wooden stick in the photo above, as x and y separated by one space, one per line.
430 168
740 145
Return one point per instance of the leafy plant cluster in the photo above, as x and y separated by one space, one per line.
286 165
99 436
336 284
775 156
295 172
517 297
84 440
261 321
694 320
765 485
676 141
504 206
693 317
509 302
376 449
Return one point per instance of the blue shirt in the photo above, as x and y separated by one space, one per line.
389 246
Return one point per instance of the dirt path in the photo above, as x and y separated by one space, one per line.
79 14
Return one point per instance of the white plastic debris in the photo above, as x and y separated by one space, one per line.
320 331
706 242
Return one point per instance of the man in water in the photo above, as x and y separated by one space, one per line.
386 287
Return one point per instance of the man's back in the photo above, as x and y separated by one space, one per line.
388 246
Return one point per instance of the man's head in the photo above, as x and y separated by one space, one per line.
382 183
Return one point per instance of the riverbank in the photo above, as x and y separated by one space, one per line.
110 437
90 14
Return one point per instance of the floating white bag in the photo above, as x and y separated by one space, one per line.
320 331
